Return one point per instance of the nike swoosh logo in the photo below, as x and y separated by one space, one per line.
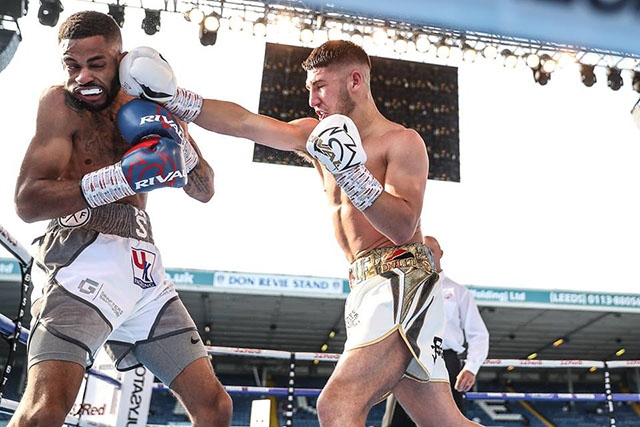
195 340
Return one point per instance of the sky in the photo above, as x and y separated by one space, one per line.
549 175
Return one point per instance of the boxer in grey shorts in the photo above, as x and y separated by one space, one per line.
100 269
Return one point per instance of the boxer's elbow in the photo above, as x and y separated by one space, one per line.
28 211
30 204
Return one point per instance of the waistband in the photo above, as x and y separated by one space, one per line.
119 219
381 260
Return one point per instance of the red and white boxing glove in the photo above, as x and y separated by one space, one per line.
145 73
152 163
335 142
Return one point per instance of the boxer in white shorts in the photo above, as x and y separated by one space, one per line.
100 269
374 173
95 156
396 289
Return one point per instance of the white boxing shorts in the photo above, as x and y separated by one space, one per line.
396 289
99 278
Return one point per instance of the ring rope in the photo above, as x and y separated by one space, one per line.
15 331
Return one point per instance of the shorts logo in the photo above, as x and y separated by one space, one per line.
351 319
88 286
398 259
75 220
142 266
437 348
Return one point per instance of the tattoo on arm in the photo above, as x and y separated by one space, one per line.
200 183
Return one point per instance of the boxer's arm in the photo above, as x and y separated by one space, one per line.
232 119
42 192
144 73
200 185
404 185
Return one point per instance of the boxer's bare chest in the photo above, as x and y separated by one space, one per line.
97 141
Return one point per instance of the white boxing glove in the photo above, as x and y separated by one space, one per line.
335 142
146 74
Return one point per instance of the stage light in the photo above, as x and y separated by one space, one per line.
636 81
306 34
532 60
49 12
509 60
548 64
614 79
443 50
620 352
151 21
9 41
14 8
117 13
211 22
400 45
357 38
532 356
260 27
490 51
380 36
236 23
587 73
335 33
194 15
540 76
558 342
422 43
469 54
209 29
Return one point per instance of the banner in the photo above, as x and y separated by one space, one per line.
97 400
135 397
103 403
281 283
555 299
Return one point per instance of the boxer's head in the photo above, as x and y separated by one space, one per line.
338 72
91 46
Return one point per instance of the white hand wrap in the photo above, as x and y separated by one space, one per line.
185 104
360 186
105 186
190 154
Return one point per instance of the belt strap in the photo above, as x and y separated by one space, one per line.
119 219
381 260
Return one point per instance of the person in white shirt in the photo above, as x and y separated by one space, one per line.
465 331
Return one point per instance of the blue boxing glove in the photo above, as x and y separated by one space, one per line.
139 119
153 163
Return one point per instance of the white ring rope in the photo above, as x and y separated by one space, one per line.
15 333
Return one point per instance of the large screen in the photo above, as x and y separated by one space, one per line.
420 96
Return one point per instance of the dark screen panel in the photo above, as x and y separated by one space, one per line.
420 96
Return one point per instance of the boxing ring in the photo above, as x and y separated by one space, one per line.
12 331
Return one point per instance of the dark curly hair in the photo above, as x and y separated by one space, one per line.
90 23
